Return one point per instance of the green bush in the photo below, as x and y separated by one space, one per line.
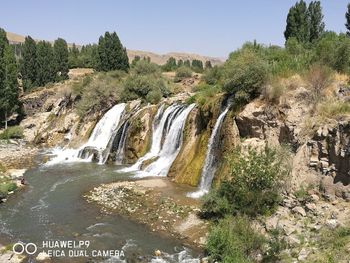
182 72
245 73
213 75
146 87
233 240
14 132
7 187
144 67
253 185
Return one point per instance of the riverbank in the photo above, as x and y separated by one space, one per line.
157 203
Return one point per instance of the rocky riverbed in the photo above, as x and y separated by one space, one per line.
152 202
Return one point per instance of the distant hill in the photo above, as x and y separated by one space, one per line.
156 58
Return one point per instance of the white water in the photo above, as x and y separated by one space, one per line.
209 167
98 140
121 145
160 120
171 146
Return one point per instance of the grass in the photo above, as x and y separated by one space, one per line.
14 132
332 108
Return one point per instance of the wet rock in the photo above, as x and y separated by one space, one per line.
157 253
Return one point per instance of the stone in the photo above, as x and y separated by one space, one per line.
157 253
332 223
299 210
311 207
314 198
303 254
292 240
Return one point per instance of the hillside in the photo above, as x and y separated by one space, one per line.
156 58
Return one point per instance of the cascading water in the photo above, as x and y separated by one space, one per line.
98 141
162 118
172 144
210 164
119 154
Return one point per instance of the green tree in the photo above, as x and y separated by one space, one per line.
197 66
135 60
8 79
73 57
111 53
316 23
60 50
170 65
347 24
297 22
44 65
28 63
187 63
180 63
208 64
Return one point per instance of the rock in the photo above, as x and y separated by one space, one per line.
42 256
299 210
314 198
303 254
271 223
292 240
311 207
332 223
157 253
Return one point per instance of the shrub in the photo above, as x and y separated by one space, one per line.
205 92
7 187
273 92
332 108
233 240
254 183
14 132
318 77
245 73
182 72
213 75
144 67
146 87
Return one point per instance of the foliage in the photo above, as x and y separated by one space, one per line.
197 66
8 79
60 50
45 68
332 109
244 74
208 65
5 188
233 240
254 183
28 63
170 65
182 72
213 75
318 78
144 67
111 55
13 132
205 93
305 23
347 16
98 93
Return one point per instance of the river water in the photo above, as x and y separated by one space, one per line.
52 207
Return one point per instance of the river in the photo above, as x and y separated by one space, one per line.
52 207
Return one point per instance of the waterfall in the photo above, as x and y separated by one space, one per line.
119 154
210 163
96 147
160 120
167 133
171 146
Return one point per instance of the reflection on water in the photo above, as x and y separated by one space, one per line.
52 208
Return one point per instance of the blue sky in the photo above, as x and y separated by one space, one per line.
205 27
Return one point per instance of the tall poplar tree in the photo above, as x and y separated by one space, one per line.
60 50
298 22
8 79
45 67
28 63
316 24
347 24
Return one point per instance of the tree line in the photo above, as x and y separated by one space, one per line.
196 65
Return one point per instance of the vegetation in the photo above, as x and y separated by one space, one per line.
8 79
13 132
182 73
234 240
253 185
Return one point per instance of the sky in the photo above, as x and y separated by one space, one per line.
206 27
